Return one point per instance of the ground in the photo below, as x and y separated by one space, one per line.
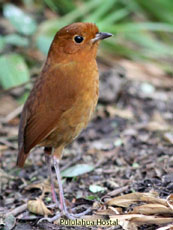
129 142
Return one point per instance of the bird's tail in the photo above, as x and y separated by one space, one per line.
21 158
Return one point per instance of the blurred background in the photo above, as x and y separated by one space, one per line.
142 33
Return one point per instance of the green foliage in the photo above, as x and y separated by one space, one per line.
158 10
21 100
2 43
13 71
22 22
132 22
92 197
142 29
17 40
62 6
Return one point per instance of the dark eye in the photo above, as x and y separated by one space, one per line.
78 39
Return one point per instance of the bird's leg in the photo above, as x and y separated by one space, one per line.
63 206
61 195
48 158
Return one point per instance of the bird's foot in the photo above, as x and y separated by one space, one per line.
65 213
64 210
77 215
50 219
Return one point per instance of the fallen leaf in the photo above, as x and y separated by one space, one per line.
118 142
123 113
151 209
77 170
109 211
43 186
96 188
140 219
131 198
147 88
157 123
168 227
38 207
168 137
9 222
170 201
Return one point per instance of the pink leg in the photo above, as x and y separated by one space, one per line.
63 207
61 194
48 161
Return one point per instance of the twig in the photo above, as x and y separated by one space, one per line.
7 143
17 210
114 193
118 191
4 91
13 114
71 162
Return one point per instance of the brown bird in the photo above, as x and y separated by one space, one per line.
63 98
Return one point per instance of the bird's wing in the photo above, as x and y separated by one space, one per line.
53 94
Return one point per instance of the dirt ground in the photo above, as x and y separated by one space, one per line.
129 142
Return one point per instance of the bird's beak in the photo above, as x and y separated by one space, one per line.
101 36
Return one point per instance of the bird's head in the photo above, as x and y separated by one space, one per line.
79 39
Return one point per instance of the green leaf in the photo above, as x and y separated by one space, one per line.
15 39
118 142
43 43
51 4
22 22
28 3
62 6
162 11
13 71
23 98
135 165
152 46
77 170
10 222
112 18
2 43
96 188
101 11
92 197
140 26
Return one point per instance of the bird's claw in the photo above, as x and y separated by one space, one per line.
50 219
65 213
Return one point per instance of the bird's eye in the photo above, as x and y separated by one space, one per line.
78 39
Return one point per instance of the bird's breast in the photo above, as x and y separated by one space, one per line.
73 120
78 116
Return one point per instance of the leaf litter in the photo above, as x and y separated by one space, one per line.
135 209
133 162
